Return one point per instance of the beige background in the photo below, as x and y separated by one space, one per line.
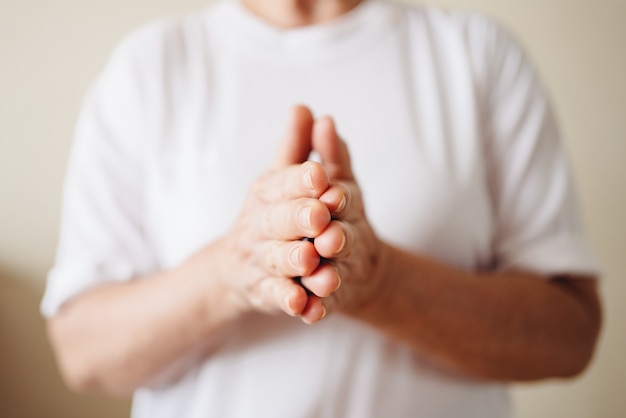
51 50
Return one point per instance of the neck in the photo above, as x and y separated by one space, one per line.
297 13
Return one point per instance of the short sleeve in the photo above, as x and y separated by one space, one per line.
538 225
102 237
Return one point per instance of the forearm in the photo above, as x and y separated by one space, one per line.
120 336
505 326
124 335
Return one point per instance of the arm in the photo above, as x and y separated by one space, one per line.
495 326
504 326
118 336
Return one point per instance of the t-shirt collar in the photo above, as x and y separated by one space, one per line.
320 43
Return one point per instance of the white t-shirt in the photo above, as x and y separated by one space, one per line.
452 141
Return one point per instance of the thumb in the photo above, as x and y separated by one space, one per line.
332 149
295 146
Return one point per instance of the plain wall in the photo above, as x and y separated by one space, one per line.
51 50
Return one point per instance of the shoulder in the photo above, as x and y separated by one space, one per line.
130 93
476 30
160 41
152 62
458 20
467 40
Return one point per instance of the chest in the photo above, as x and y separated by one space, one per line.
415 147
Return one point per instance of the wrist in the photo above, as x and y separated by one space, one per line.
209 274
383 277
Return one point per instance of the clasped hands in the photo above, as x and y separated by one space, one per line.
271 266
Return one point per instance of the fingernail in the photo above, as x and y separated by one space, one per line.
323 312
294 257
308 179
288 305
338 280
342 204
304 217
343 243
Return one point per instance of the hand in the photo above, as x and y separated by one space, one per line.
264 251
348 243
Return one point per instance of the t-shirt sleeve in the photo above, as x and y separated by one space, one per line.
537 220
102 236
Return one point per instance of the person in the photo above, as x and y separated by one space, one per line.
405 242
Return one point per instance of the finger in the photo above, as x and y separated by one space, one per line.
290 296
279 292
293 219
323 282
332 150
336 199
314 310
301 180
335 241
295 146
288 258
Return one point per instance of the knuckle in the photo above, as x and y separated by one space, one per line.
272 257
265 224
258 184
